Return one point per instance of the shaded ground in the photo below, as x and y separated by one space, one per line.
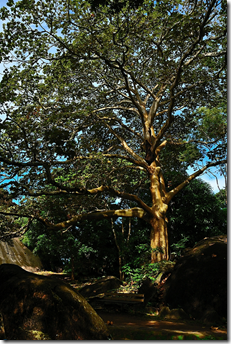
134 327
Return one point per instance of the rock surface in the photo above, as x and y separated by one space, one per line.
101 286
173 314
198 283
148 288
44 308
14 252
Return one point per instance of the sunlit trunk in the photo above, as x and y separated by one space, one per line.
159 232
159 240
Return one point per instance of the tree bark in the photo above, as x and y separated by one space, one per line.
159 239
120 256
158 221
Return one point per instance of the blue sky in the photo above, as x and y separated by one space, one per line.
209 178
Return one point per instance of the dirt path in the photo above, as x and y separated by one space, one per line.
126 326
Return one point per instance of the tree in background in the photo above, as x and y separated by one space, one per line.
71 249
222 197
58 251
195 213
107 95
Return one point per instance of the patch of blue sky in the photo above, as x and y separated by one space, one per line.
212 175
215 176
216 181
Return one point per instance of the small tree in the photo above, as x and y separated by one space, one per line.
104 94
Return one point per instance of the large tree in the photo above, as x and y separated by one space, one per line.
98 101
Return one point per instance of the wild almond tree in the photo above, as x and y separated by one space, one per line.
94 103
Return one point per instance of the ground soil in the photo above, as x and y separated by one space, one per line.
135 327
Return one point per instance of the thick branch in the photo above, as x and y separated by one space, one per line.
84 191
173 192
133 198
133 212
21 231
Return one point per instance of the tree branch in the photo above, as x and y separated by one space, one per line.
19 232
98 215
173 192
124 144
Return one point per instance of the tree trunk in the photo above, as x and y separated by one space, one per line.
120 269
72 268
120 257
159 239
158 221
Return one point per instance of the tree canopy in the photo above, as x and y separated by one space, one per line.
97 102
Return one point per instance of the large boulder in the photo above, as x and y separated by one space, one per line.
101 286
198 283
14 252
37 307
149 289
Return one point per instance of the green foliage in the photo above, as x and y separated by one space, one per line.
60 106
140 268
193 214
190 154
55 250
222 198
180 245
212 122
136 275
90 245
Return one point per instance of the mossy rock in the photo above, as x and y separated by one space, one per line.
44 307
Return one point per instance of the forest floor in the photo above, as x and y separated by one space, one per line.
146 327
134 324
